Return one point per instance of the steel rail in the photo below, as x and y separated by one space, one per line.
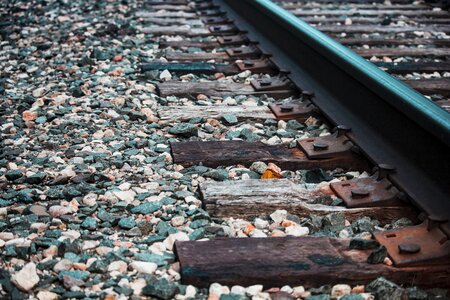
390 122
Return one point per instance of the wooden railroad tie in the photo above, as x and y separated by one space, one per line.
260 65
275 87
326 152
293 110
310 261
255 197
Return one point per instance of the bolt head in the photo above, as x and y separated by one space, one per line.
359 193
286 108
408 248
320 146
265 82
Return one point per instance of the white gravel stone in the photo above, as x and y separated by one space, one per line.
344 234
229 101
274 140
78 160
258 167
253 290
137 286
90 199
58 210
191 199
256 233
170 240
190 291
6 236
127 196
26 278
297 291
261 224
261 296
125 186
244 74
144 267
250 102
238 290
165 75
117 265
39 92
88 245
63 265
279 215
218 289
47 295
177 221
71 234
282 124
340 290
286 289
297 230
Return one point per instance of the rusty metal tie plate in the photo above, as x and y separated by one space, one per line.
271 84
416 245
325 146
244 52
367 192
232 40
221 29
292 110
257 66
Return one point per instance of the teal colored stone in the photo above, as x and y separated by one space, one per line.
232 296
197 234
13 174
318 297
146 208
105 216
77 274
160 260
229 119
352 297
40 120
161 289
127 223
89 223
219 174
199 223
184 129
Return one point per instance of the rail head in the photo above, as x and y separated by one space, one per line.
405 99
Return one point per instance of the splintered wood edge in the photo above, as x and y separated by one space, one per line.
228 199
183 113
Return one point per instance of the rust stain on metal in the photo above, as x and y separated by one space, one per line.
420 245
293 110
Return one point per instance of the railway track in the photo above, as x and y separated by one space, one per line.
406 39
217 144
284 260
